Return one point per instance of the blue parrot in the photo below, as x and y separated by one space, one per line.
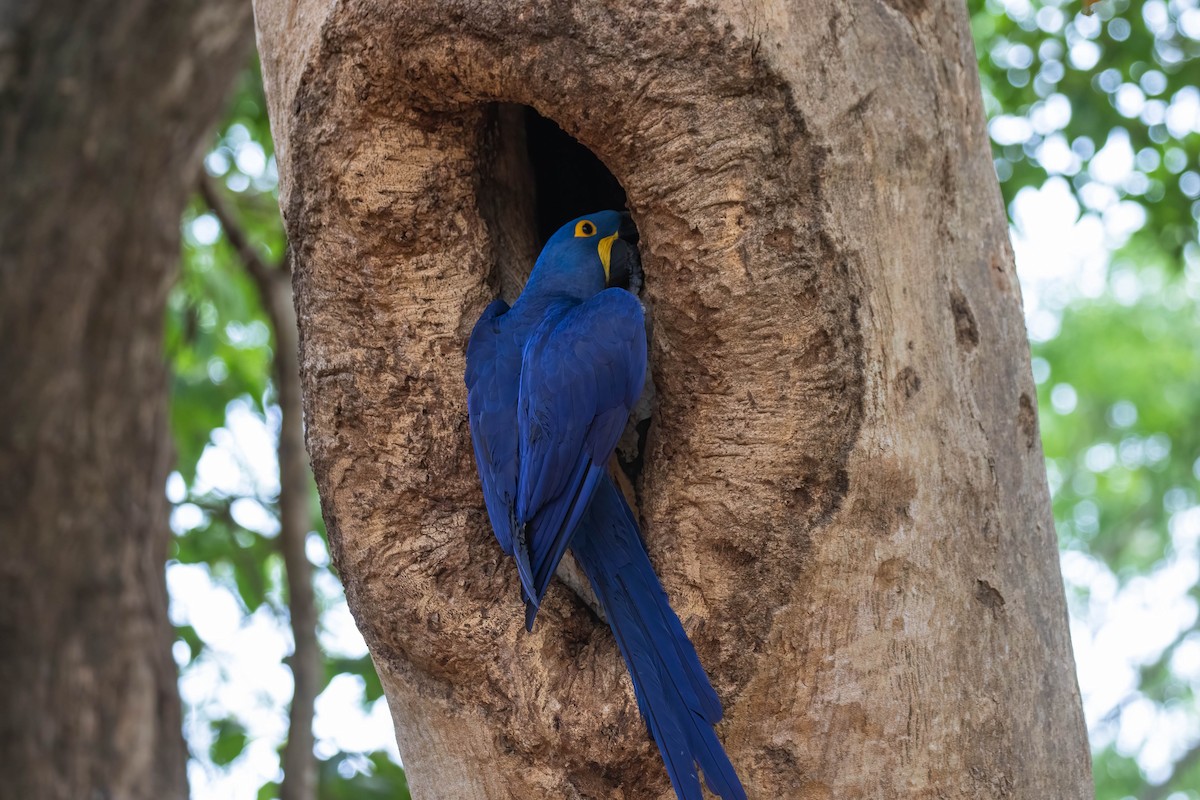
550 384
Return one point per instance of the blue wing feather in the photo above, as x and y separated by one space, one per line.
493 366
581 373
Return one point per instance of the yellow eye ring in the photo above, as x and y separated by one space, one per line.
584 228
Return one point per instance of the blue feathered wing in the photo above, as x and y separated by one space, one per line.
581 373
493 378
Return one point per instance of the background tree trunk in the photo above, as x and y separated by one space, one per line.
104 110
274 286
841 486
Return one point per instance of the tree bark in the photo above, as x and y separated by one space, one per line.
842 485
104 110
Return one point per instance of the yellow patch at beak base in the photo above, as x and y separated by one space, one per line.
605 249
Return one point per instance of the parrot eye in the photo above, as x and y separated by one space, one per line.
585 228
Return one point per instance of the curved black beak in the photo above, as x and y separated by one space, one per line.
625 264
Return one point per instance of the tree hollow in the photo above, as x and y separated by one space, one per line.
815 198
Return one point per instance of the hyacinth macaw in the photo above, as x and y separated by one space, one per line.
550 384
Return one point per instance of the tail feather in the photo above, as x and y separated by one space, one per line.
649 686
658 614
673 692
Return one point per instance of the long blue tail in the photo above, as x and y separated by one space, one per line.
672 689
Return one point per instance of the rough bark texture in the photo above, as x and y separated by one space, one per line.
104 109
842 486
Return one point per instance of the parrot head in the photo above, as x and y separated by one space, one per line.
589 254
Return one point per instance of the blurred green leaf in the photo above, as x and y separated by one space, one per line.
229 740
355 776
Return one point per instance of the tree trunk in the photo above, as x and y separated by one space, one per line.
104 110
274 285
841 485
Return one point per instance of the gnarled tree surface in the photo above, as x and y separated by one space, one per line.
842 485
103 112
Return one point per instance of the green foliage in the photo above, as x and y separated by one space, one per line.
347 776
357 777
217 342
1110 104
219 345
361 667
1059 87
245 560
228 742
1137 400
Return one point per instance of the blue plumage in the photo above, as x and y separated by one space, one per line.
550 384
672 689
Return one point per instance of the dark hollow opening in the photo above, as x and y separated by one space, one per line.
569 181
538 178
